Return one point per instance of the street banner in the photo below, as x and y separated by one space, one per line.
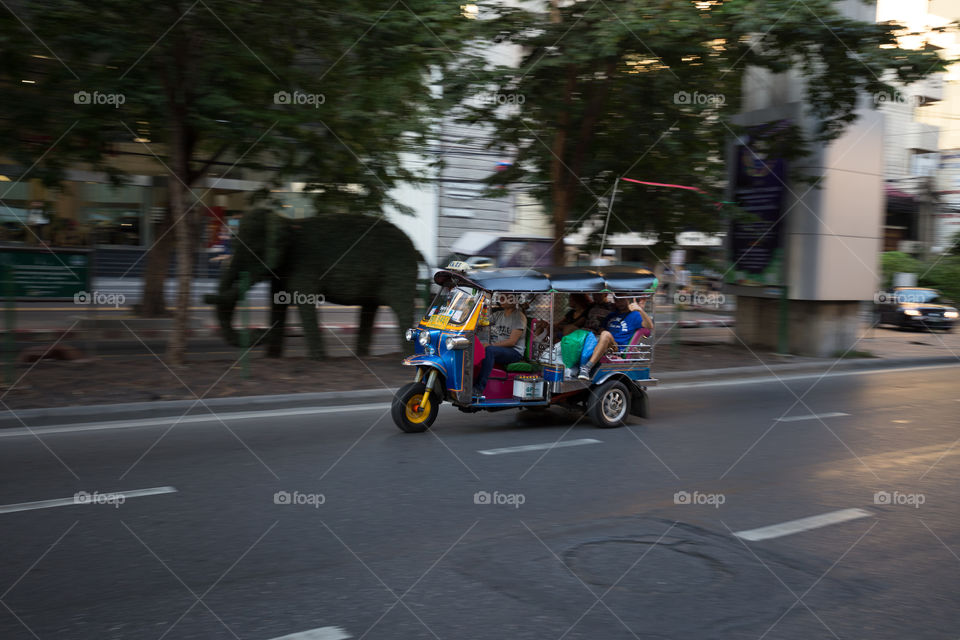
757 243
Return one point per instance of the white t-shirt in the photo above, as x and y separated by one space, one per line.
502 325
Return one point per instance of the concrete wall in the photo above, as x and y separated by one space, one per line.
835 231
814 328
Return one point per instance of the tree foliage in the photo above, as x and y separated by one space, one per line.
892 262
646 89
943 274
328 93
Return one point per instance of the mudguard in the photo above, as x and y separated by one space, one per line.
639 404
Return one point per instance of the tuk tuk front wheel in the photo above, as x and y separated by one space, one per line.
409 410
609 405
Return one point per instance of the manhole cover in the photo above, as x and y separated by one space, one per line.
667 566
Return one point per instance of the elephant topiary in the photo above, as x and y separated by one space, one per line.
349 260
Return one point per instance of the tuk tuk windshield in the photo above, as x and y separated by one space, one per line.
452 307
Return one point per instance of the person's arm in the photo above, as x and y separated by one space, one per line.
580 320
639 308
512 340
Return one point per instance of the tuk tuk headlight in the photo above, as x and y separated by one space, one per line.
409 335
424 338
456 342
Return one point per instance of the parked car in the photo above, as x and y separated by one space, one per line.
916 308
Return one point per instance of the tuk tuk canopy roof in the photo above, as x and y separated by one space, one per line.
618 279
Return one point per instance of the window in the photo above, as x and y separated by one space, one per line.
923 163
114 216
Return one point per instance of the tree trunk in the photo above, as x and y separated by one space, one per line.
183 228
560 210
560 182
153 303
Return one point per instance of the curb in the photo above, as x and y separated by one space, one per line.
79 335
764 371
133 410
213 331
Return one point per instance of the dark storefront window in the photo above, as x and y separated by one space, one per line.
114 216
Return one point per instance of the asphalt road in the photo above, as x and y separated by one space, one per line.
385 538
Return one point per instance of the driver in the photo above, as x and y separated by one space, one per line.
507 328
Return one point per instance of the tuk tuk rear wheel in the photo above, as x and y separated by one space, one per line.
609 405
409 412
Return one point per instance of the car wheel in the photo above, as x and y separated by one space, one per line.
409 412
609 405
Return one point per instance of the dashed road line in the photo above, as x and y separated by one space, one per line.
813 416
802 524
83 498
321 633
538 447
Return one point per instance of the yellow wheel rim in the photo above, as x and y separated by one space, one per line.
417 408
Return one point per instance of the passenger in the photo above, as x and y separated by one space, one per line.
597 316
507 327
576 316
628 318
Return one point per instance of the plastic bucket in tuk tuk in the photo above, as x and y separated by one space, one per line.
553 372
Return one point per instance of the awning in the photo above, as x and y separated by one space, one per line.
473 243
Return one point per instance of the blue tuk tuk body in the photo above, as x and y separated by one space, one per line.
448 352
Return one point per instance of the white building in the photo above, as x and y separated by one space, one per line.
920 129
455 201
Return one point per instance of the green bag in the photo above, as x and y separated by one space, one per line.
570 347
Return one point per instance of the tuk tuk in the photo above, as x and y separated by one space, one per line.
448 351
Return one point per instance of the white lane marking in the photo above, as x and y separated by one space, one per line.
813 416
538 447
321 633
69 502
159 422
803 524
666 385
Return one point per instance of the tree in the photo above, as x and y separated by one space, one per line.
646 89
326 92
953 247
943 274
892 262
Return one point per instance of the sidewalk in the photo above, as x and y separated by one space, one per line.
147 379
